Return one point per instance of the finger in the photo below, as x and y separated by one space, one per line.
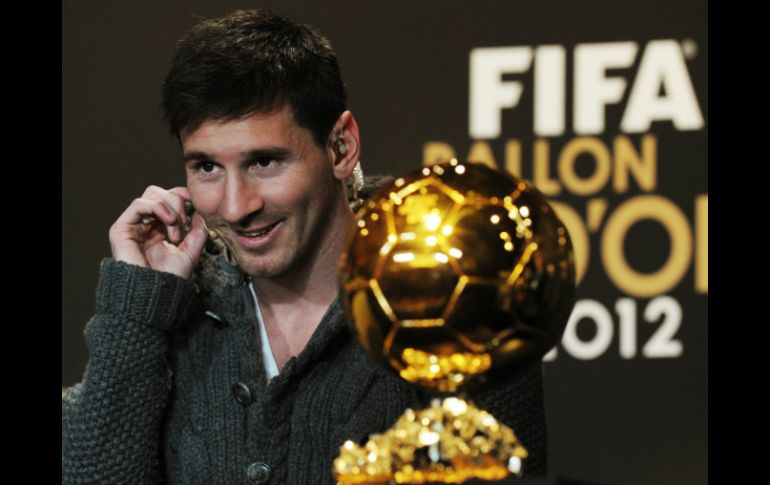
188 205
148 210
195 239
174 234
175 199
181 191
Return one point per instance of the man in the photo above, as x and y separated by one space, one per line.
219 353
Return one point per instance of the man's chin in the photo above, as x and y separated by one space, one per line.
252 262
270 263
261 267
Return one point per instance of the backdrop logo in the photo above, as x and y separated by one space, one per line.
624 160
662 66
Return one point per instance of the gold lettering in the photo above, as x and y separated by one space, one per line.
434 152
595 213
541 176
481 152
702 244
643 166
613 238
568 156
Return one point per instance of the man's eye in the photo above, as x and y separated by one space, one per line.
207 167
264 162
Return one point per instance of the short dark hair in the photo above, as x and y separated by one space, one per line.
253 61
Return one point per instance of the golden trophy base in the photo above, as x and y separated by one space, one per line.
450 442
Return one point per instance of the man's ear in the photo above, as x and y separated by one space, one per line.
345 145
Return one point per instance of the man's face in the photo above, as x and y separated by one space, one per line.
264 185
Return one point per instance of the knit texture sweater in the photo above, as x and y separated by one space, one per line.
175 391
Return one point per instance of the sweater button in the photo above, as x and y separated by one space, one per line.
258 472
242 393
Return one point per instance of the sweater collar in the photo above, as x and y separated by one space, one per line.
227 287
331 327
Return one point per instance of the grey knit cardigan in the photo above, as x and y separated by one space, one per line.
175 391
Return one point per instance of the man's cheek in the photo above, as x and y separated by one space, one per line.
203 204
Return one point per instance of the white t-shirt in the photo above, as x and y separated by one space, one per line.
268 359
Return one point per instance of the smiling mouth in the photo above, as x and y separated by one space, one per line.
259 232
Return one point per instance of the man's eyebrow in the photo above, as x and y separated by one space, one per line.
195 155
269 152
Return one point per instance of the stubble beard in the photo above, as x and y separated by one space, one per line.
258 263
263 266
290 257
286 258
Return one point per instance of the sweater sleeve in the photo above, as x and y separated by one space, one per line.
111 420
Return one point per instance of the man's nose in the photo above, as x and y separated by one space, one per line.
242 198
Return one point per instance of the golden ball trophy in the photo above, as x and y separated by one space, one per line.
451 276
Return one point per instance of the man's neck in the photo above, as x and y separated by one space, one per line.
292 306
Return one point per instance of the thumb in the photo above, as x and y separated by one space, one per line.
195 239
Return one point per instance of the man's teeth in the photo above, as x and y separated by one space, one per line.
258 233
